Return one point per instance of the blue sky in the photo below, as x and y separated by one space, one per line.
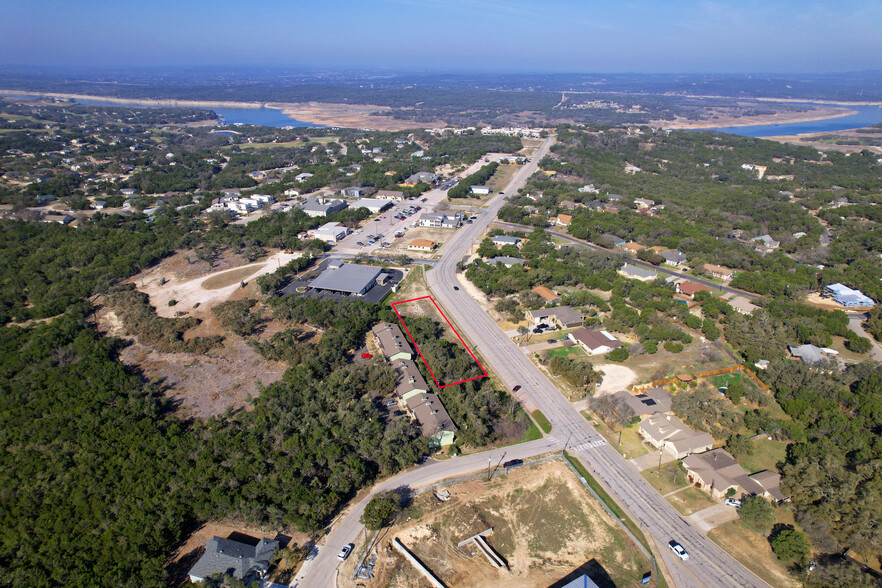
449 35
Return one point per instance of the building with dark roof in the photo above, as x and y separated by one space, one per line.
506 260
594 342
646 403
435 422
391 341
421 177
716 471
349 279
234 558
410 381
322 206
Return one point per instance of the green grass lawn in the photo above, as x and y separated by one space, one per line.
542 421
766 456
671 477
690 500
532 433
631 444
565 351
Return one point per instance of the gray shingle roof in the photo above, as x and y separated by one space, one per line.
227 556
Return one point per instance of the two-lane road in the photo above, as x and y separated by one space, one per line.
708 564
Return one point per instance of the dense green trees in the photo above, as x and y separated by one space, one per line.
380 510
464 188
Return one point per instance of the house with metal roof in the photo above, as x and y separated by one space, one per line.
391 341
669 434
234 558
767 241
848 297
482 190
809 354
506 240
374 205
349 279
421 177
506 261
322 206
637 273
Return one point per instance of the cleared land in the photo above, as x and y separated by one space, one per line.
545 525
752 549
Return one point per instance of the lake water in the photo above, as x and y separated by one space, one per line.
866 116
268 117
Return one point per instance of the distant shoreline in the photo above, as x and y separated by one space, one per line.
143 101
762 120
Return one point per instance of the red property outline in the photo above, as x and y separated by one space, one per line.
417 347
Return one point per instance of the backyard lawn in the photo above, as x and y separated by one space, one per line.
565 351
766 456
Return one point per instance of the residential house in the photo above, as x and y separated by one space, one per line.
716 472
637 273
500 240
421 178
690 289
292 192
564 317
99 204
654 400
549 296
643 202
594 342
612 240
569 205
718 271
674 258
506 261
632 247
302 176
562 220
316 207
421 245
767 241
483 190
809 354
353 192
669 434
848 297
233 558
589 189
392 342
742 305
443 221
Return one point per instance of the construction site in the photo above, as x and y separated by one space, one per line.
528 526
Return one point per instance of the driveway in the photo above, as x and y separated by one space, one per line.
855 324
714 516
650 460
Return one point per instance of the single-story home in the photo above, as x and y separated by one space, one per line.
674 258
594 342
353 192
690 289
716 471
718 271
767 241
395 195
302 176
637 273
234 558
421 245
809 354
506 260
506 240
670 434
562 220
548 295
646 403
563 316
633 247
612 240
643 202
742 305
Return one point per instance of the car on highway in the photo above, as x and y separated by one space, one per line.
516 388
733 502
678 549
366 355
456 288
344 553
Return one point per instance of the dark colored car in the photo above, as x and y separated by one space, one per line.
512 463
516 388
456 288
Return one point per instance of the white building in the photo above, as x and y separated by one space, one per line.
329 232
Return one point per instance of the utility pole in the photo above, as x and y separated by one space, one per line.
660 449
567 443
488 468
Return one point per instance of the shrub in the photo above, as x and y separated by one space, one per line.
673 346
620 354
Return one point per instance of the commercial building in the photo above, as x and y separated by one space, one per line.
483 190
349 279
390 195
421 245
316 207
430 219
421 178
329 232
374 205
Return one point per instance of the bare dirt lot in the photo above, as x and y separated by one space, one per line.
201 385
361 116
545 526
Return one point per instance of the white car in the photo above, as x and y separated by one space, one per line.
733 502
344 553
678 549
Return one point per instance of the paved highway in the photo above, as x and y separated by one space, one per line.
708 564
